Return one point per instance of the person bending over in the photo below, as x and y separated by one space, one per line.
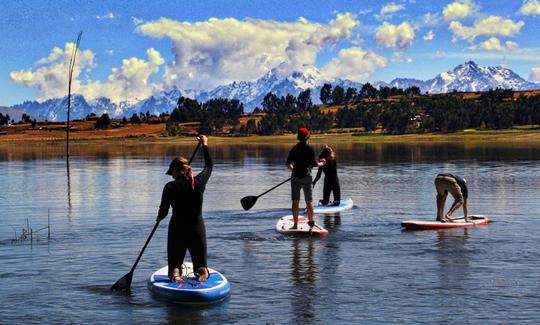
455 185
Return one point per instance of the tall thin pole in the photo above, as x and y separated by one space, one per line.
71 67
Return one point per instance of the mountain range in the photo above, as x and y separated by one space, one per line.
465 77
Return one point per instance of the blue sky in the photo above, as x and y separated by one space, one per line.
132 49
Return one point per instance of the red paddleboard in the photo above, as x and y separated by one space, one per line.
474 220
284 226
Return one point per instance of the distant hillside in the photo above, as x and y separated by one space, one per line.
14 114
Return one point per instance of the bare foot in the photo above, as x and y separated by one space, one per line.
294 227
203 274
177 277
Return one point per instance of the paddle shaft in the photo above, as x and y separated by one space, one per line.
285 181
144 247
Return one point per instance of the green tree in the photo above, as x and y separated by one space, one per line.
326 94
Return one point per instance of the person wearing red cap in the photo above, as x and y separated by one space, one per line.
186 228
300 161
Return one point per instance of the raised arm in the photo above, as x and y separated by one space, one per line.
204 175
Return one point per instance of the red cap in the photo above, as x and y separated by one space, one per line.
303 133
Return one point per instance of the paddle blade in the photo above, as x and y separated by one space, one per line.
248 201
124 283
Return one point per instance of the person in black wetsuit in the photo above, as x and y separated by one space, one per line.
186 228
300 161
331 181
455 185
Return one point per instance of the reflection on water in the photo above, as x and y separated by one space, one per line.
332 222
453 257
365 271
304 275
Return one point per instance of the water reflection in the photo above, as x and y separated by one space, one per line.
273 154
453 257
303 273
332 221
179 314
68 188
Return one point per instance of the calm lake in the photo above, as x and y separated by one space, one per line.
367 270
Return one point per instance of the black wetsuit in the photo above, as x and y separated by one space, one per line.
302 156
186 228
331 181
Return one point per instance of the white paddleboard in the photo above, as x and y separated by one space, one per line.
284 226
191 291
475 220
329 209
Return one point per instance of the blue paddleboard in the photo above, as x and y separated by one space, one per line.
328 209
191 291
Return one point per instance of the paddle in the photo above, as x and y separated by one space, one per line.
124 284
249 201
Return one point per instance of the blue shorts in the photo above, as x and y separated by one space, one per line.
301 183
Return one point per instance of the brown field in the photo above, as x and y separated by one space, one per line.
84 132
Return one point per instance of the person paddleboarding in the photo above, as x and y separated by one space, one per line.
300 161
455 185
331 180
186 227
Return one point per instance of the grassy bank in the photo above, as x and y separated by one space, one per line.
492 136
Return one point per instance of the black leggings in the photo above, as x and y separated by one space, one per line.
180 241
331 186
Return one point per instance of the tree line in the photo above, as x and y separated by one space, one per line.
368 108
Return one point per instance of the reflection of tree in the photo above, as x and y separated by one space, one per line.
68 188
304 274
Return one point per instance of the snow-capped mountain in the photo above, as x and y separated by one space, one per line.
465 77
56 109
469 77
252 93
156 104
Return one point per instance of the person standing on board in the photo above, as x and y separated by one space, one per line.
331 181
300 161
455 185
186 228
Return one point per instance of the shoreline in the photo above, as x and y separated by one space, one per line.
466 136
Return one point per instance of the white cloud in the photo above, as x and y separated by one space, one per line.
136 21
130 81
535 74
431 19
50 78
440 54
458 10
354 64
219 51
108 15
489 26
395 36
400 57
531 7
494 44
390 8
429 36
